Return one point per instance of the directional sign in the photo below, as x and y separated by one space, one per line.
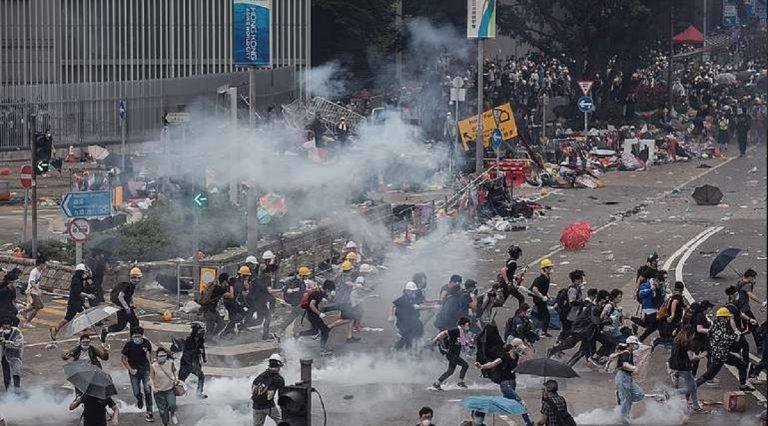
43 166
176 117
585 86
87 204
121 109
496 138
79 230
25 177
586 104
201 200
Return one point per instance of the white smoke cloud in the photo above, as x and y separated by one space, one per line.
327 81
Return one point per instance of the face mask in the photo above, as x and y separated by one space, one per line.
135 281
161 359
426 422
333 294
85 345
137 340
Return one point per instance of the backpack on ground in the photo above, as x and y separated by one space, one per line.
114 295
305 298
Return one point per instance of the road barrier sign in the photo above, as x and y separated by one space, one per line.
79 230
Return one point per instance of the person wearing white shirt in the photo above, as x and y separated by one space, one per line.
34 294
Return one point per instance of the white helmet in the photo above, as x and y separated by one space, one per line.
252 260
276 358
268 255
633 340
411 286
360 280
351 245
81 267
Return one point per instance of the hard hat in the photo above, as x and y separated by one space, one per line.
351 256
517 343
653 257
81 267
244 270
633 340
136 272
351 245
546 263
723 312
268 255
360 280
346 266
167 316
304 271
411 286
276 359
252 259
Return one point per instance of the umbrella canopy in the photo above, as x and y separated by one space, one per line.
725 78
546 367
89 379
88 319
105 243
723 259
494 405
691 35
707 195
576 235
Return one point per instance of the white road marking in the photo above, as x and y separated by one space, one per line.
668 263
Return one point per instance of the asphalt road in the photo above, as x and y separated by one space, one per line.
368 385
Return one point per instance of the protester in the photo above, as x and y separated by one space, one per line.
520 326
209 303
122 297
539 291
97 264
264 389
76 300
162 379
504 371
746 292
648 294
568 305
627 389
425 417
34 294
451 343
8 308
95 410
294 289
740 322
260 298
681 361
511 277
311 304
86 351
12 346
455 304
405 314
722 338
136 356
234 303
193 356
743 124
584 322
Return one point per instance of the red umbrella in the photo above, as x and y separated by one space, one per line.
576 235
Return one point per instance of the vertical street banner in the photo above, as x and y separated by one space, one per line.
481 18
251 32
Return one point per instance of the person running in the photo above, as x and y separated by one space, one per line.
76 300
261 297
648 294
11 353
162 379
740 322
452 340
122 297
520 326
193 356
681 361
504 369
85 351
98 267
700 324
209 304
569 308
263 390
294 289
612 318
405 314
581 322
135 358
34 294
511 277
554 408
452 288
670 316
95 410
746 289
234 302
539 291
311 304
722 337
627 390
8 308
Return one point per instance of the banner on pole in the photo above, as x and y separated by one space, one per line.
500 117
481 18
252 32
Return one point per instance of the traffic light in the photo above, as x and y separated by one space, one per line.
295 405
42 152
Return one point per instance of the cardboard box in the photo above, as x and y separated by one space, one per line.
735 401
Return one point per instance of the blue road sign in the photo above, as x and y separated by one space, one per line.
87 204
496 138
586 104
121 109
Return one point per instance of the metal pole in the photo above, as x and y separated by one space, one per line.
306 379
398 42
252 97
586 125
32 144
78 253
671 66
232 92
704 24
122 142
544 118
479 149
26 204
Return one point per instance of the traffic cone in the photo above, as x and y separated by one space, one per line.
71 155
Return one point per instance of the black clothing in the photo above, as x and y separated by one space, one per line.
626 358
542 284
95 410
453 361
186 369
98 269
267 381
294 299
138 355
193 350
75 301
452 343
507 367
678 358
123 318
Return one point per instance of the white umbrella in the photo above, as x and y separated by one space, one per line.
88 319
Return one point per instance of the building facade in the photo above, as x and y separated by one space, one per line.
72 61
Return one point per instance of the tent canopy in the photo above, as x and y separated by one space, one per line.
691 35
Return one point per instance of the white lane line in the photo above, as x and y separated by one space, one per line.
559 249
508 420
668 263
689 297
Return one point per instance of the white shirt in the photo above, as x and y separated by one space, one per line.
33 285
84 355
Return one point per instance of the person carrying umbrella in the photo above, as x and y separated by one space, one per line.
122 297
76 300
85 351
94 389
627 389
554 408
504 369
12 350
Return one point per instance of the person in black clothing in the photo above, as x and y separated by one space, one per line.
8 307
209 302
651 265
581 323
135 358
743 124
572 303
700 324
453 287
260 297
452 341
520 326
739 321
674 315
263 390
122 297
405 313
746 287
511 277
539 291
95 410
193 357
76 300
588 326
294 289
425 417
315 315
504 368
233 301
681 360
98 266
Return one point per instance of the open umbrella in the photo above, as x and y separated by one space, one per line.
725 78
546 367
722 260
89 379
88 319
576 235
494 405
707 195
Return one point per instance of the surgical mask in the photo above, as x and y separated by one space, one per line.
333 294
162 358
85 345
137 340
426 422
135 281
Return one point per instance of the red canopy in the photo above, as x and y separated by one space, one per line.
690 36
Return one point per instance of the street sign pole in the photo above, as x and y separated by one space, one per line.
32 144
78 253
586 124
479 149
121 113
252 98
26 205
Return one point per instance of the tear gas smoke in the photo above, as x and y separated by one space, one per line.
326 81
667 413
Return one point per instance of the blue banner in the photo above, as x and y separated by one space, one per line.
251 32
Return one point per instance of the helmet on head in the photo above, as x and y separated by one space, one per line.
411 286
351 256
135 272
268 255
346 266
350 245
633 340
304 271
653 257
546 263
244 270
275 360
81 267
360 280
252 260
723 312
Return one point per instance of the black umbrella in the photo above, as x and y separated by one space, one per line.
546 367
89 379
107 244
723 259
707 195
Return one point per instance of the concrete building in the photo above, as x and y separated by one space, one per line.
74 60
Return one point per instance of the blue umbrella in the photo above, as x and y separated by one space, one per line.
494 405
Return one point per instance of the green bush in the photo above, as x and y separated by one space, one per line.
54 250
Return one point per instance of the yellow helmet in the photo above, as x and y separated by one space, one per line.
351 256
723 312
346 266
244 270
304 271
167 316
546 263
135 272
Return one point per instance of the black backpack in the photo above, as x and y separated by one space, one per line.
115 293
561 302
490 346
454 307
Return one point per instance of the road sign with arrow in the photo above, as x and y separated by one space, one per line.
201 200
586 104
